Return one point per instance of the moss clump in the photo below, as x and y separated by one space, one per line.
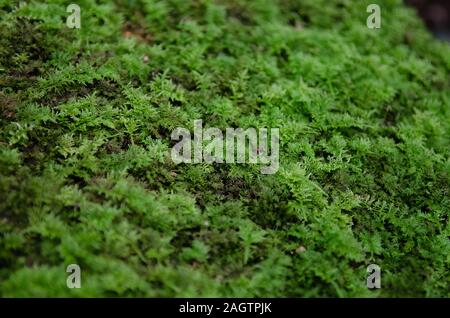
85 176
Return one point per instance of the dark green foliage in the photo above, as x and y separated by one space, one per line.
86 177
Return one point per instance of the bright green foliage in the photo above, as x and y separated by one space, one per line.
86 176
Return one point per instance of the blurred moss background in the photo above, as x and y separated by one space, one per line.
436 15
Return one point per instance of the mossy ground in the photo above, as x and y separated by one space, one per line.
85 175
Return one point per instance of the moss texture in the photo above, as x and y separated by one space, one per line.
86 177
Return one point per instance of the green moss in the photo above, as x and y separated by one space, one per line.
85 175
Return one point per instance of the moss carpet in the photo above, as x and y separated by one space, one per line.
86 177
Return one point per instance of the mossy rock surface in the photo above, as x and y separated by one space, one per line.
86 177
